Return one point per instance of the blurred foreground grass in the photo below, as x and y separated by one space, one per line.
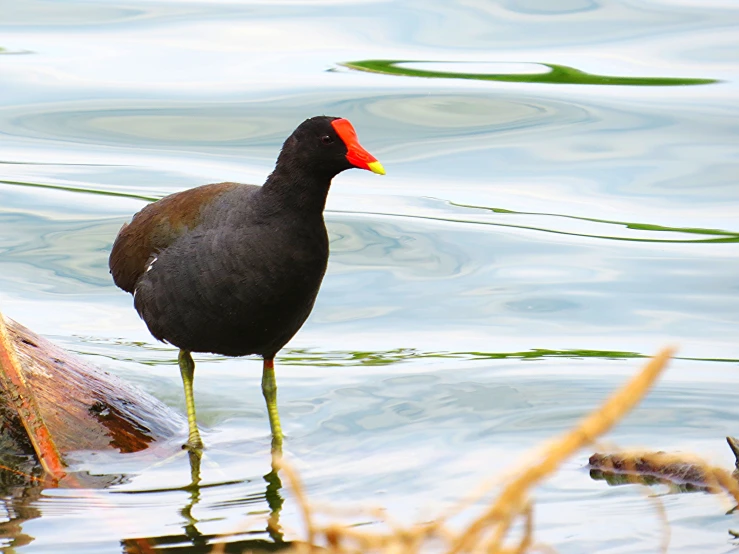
504 524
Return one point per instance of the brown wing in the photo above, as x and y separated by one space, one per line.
156 227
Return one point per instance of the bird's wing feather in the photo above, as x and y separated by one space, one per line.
156 227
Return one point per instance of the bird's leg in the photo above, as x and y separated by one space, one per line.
269 389
187 370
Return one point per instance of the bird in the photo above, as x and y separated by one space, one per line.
234 269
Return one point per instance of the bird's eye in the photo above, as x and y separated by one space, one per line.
325 139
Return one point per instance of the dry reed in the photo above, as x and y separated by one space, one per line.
489 531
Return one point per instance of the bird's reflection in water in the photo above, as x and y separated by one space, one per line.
191 530
192 541
22 486
272 494
274 499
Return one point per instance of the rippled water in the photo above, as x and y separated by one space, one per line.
531 237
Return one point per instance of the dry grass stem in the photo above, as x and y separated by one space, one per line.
489 530
659 507
597 423
297 487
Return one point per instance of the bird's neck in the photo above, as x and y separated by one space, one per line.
301 191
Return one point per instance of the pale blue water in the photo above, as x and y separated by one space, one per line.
148 98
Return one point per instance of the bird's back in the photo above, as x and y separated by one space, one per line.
156 227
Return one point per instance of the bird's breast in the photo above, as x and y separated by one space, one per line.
232 293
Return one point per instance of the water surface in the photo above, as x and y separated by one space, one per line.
529 242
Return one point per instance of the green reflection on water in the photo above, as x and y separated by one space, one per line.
355 358
7 52
725 236
558 74
81 189
716 235
296 356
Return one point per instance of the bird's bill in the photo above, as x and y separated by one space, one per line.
356 155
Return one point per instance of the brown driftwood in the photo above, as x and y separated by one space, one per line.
651 468
52 403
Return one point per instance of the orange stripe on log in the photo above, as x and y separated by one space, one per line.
21 396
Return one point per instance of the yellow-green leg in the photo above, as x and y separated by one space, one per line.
269 389
187 370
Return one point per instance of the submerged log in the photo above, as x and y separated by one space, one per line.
53 403
650 468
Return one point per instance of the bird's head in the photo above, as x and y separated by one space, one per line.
327 146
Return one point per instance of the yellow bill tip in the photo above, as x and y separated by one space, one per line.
376 167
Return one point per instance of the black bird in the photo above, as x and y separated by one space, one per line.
234 269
